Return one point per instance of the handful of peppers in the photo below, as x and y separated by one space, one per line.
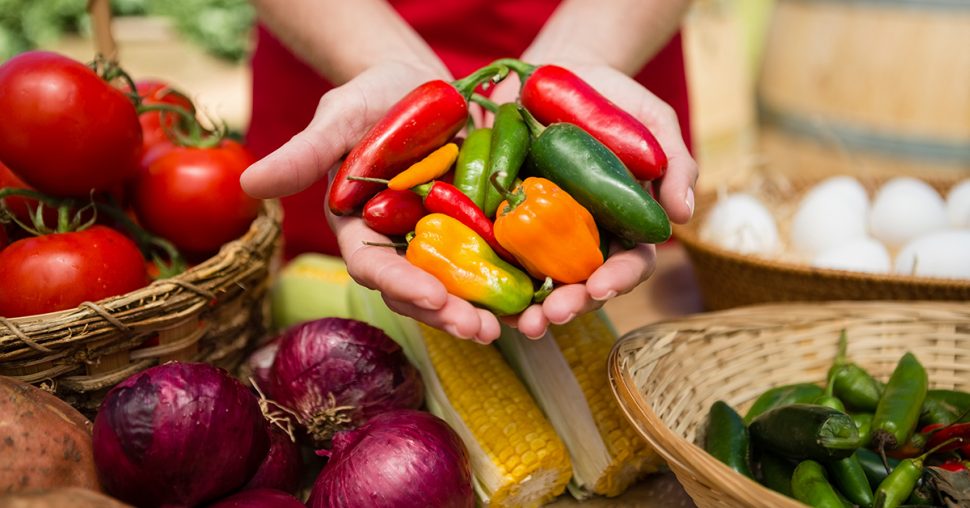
504 214
855 442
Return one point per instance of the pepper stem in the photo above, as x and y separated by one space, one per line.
396 245
535 127
514 198
368 179
485 102
545 290
523 69
490 73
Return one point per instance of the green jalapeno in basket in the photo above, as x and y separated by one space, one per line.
873 466
773 471
727 438
800 393
810 486
806 431
851 383
898 486
946 407
864 422
847 473
900 405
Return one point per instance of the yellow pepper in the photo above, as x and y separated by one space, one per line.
436 164
548 232
459 258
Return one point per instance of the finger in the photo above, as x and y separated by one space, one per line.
567 302
532 322
490 328
380 267
621 272
457 317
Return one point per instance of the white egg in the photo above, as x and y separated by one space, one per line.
958 205
740 222
941 254
863 255
905 208
847 189
825 220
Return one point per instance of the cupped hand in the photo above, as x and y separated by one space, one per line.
624 269
342 118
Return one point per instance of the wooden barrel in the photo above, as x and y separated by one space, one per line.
873 87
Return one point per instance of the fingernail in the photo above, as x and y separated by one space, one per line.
568 319
690 200
607 296
453 331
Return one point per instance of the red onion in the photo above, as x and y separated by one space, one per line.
258 365
336 373
282 467
399 459
178 434
259 498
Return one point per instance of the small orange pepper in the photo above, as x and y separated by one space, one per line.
436 164
548 232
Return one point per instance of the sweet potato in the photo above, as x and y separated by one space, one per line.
71 497
44 442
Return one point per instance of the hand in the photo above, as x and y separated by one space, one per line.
623 269
342 118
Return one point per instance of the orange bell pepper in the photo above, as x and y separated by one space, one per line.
548 232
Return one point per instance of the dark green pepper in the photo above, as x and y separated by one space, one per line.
847 473
851 383
471 169
806 431
810 486
727 438
510 145
596 178
872 464
801 393
900 405
864 422
773 471
942 405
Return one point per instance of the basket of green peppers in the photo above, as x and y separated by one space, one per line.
826 405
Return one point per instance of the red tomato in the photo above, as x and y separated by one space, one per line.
20 207
393 212
192 197
153 91
65 131
59 271
3 236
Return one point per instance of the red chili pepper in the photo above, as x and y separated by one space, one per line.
393 212
554 94
441 197
419 123
954 430
954 465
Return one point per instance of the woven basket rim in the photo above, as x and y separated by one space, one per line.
258 239
688 234
687 458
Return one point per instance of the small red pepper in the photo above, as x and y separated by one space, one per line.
961 431
393 212
554 94
445 198
954 465
419 123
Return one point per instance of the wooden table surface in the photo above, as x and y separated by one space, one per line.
670 293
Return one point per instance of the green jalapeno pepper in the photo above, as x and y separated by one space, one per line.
864 422
471 170
873 466
899 407
774 472
898 486
847 473
806 431
801 393
810 486
851 383
942 405
596 178
727 438
510 145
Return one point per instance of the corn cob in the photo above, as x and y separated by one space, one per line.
566 373
517 458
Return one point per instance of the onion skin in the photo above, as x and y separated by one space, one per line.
259 498
336 373
398 459
283 466
178 434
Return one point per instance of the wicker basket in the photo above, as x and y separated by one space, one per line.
210 313
728 279
667 375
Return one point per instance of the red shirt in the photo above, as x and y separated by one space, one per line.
466 35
